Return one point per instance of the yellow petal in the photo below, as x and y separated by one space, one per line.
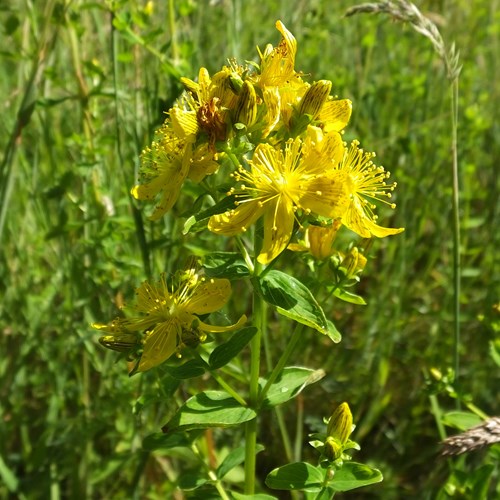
203 163
208 297
335 115
160 344
290 43
237 220
327 195
278 226
204 327
184 123
358 221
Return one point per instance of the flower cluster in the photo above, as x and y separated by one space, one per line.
289 166
295 168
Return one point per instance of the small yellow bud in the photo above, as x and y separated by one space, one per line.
354 262
314 98
321 239
340 424
246 110
121 342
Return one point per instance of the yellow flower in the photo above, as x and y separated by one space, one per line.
280 84
169 317
365 182
279 183
166 164
210 99
277 63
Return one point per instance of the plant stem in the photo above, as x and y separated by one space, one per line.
282 361
456 230
211 474
228 388
259 321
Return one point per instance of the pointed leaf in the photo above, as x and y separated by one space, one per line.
349 297
292 299
188 482
224 353
461 420
290 384
160 441
209 409
235 458
296 476
353 475
228 265
189 369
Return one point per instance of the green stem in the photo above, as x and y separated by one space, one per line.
456 231
227 387
211 474
259 320
282 361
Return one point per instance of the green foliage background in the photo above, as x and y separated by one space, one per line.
84 84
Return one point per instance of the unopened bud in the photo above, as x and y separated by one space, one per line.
321 239
354 262
340 424
246 110
121 342
314 98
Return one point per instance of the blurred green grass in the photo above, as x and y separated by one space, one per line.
84 86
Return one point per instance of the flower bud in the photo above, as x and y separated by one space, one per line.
246 110
354 262
321 239
121 342
314 98
340 424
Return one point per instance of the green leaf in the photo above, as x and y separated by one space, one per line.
290 384
296 476
198 222
209 409
224 353
353 475
228 265
461 420
192 481
161 441
332 332
235 458
349 297
257 496
190 369
292 299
